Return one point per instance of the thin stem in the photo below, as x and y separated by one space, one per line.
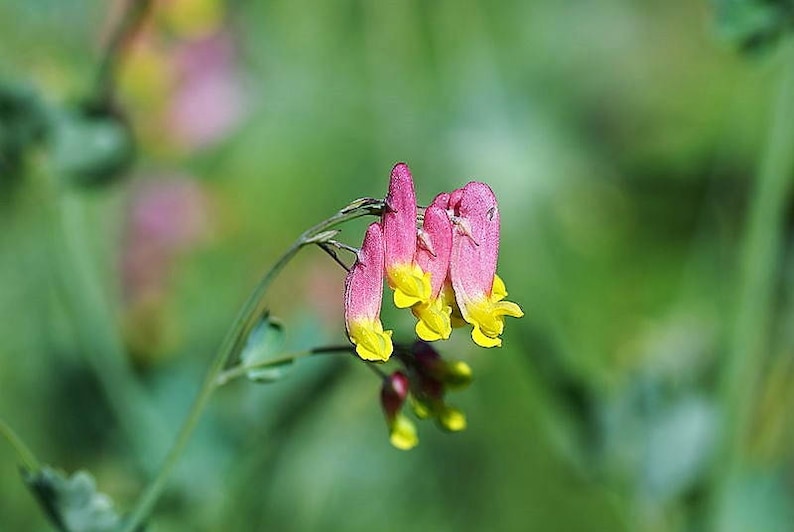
101 346
758 276
232 345
129 22
331 253
239 371
24 454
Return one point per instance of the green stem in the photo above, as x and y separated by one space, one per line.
24 454
101 346
129 22
232 345
239 371
758 276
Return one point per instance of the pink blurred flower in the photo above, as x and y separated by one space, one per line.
166 217
208 99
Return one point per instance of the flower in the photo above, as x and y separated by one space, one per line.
410 283
432 256
423 382
444 272
430 377
479 292
363 295
393 393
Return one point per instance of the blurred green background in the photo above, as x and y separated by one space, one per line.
623 140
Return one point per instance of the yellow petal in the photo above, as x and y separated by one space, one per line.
484 341
403 434
371 341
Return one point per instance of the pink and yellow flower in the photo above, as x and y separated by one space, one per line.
444 272
410 283
479 292
432 256
363 296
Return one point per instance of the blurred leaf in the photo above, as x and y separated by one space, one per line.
754 24
680 443
264 343
757 500
91 148
72 503
22 123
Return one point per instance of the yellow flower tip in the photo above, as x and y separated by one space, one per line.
499 290
487 314
484 340
434 320
371 341
402 433
452 419
508 308
458 374
411 285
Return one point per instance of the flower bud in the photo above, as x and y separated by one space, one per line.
454 373
393 394
402 433
451 419
457 374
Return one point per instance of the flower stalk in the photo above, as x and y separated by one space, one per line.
759 272
25 456
233 344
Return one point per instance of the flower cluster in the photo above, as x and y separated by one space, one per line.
423 383
443 269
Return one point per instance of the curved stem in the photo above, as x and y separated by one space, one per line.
232 345
129 22
24 454
758 275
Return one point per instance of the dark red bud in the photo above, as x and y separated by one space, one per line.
393 393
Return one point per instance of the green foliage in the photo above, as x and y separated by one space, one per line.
72 503
621 143
264 344
22 125
754 25
90 148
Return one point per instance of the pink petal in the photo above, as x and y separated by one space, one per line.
364 283
399 220
441 201
475 246
437 232
454 199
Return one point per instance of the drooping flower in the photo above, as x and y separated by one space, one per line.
432 255
479 292
394 392
410 283
363 295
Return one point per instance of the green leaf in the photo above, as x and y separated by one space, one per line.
73 503
264 343
91 149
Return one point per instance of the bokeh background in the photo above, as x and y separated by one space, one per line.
623 140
